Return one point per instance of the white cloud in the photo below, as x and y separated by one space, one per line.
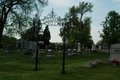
62 2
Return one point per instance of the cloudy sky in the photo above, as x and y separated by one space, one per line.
100 10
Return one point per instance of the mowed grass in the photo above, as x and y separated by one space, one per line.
17 66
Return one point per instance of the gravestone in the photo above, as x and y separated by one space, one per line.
114 53
74 52
34 56
96 62
93 48
50 54
88 64
99 47
41 51
9 49
86 49
79 49
105 48
69 52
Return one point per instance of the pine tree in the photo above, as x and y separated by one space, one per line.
46 36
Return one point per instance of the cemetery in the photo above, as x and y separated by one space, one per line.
34 57
18 66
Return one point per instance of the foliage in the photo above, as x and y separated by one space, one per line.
8 40
52 45
33 33
111 28
78 29
14 14
46 36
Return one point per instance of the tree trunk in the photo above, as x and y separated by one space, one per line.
1 30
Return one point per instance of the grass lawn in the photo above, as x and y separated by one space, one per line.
17 66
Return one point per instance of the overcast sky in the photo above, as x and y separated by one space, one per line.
100 11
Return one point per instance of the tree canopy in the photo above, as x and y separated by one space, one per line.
8 40
111 28
14 14
34 33
77 28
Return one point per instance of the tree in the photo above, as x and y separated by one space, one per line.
77 28
16 12
111 28
8 40
33 33
46 36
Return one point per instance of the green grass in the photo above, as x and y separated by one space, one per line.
17 66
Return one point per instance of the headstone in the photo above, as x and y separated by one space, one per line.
99 47
88 64
79 49
9 49
105 48
74 52
50 54
69 51
86 49
34 56
41 51
114 53
93 48
96 62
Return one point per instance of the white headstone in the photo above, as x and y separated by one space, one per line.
79 49
99 47
69 51
114 53
93 47
34 55
86 49
50 54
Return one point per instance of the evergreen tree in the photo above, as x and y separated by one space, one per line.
46 36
